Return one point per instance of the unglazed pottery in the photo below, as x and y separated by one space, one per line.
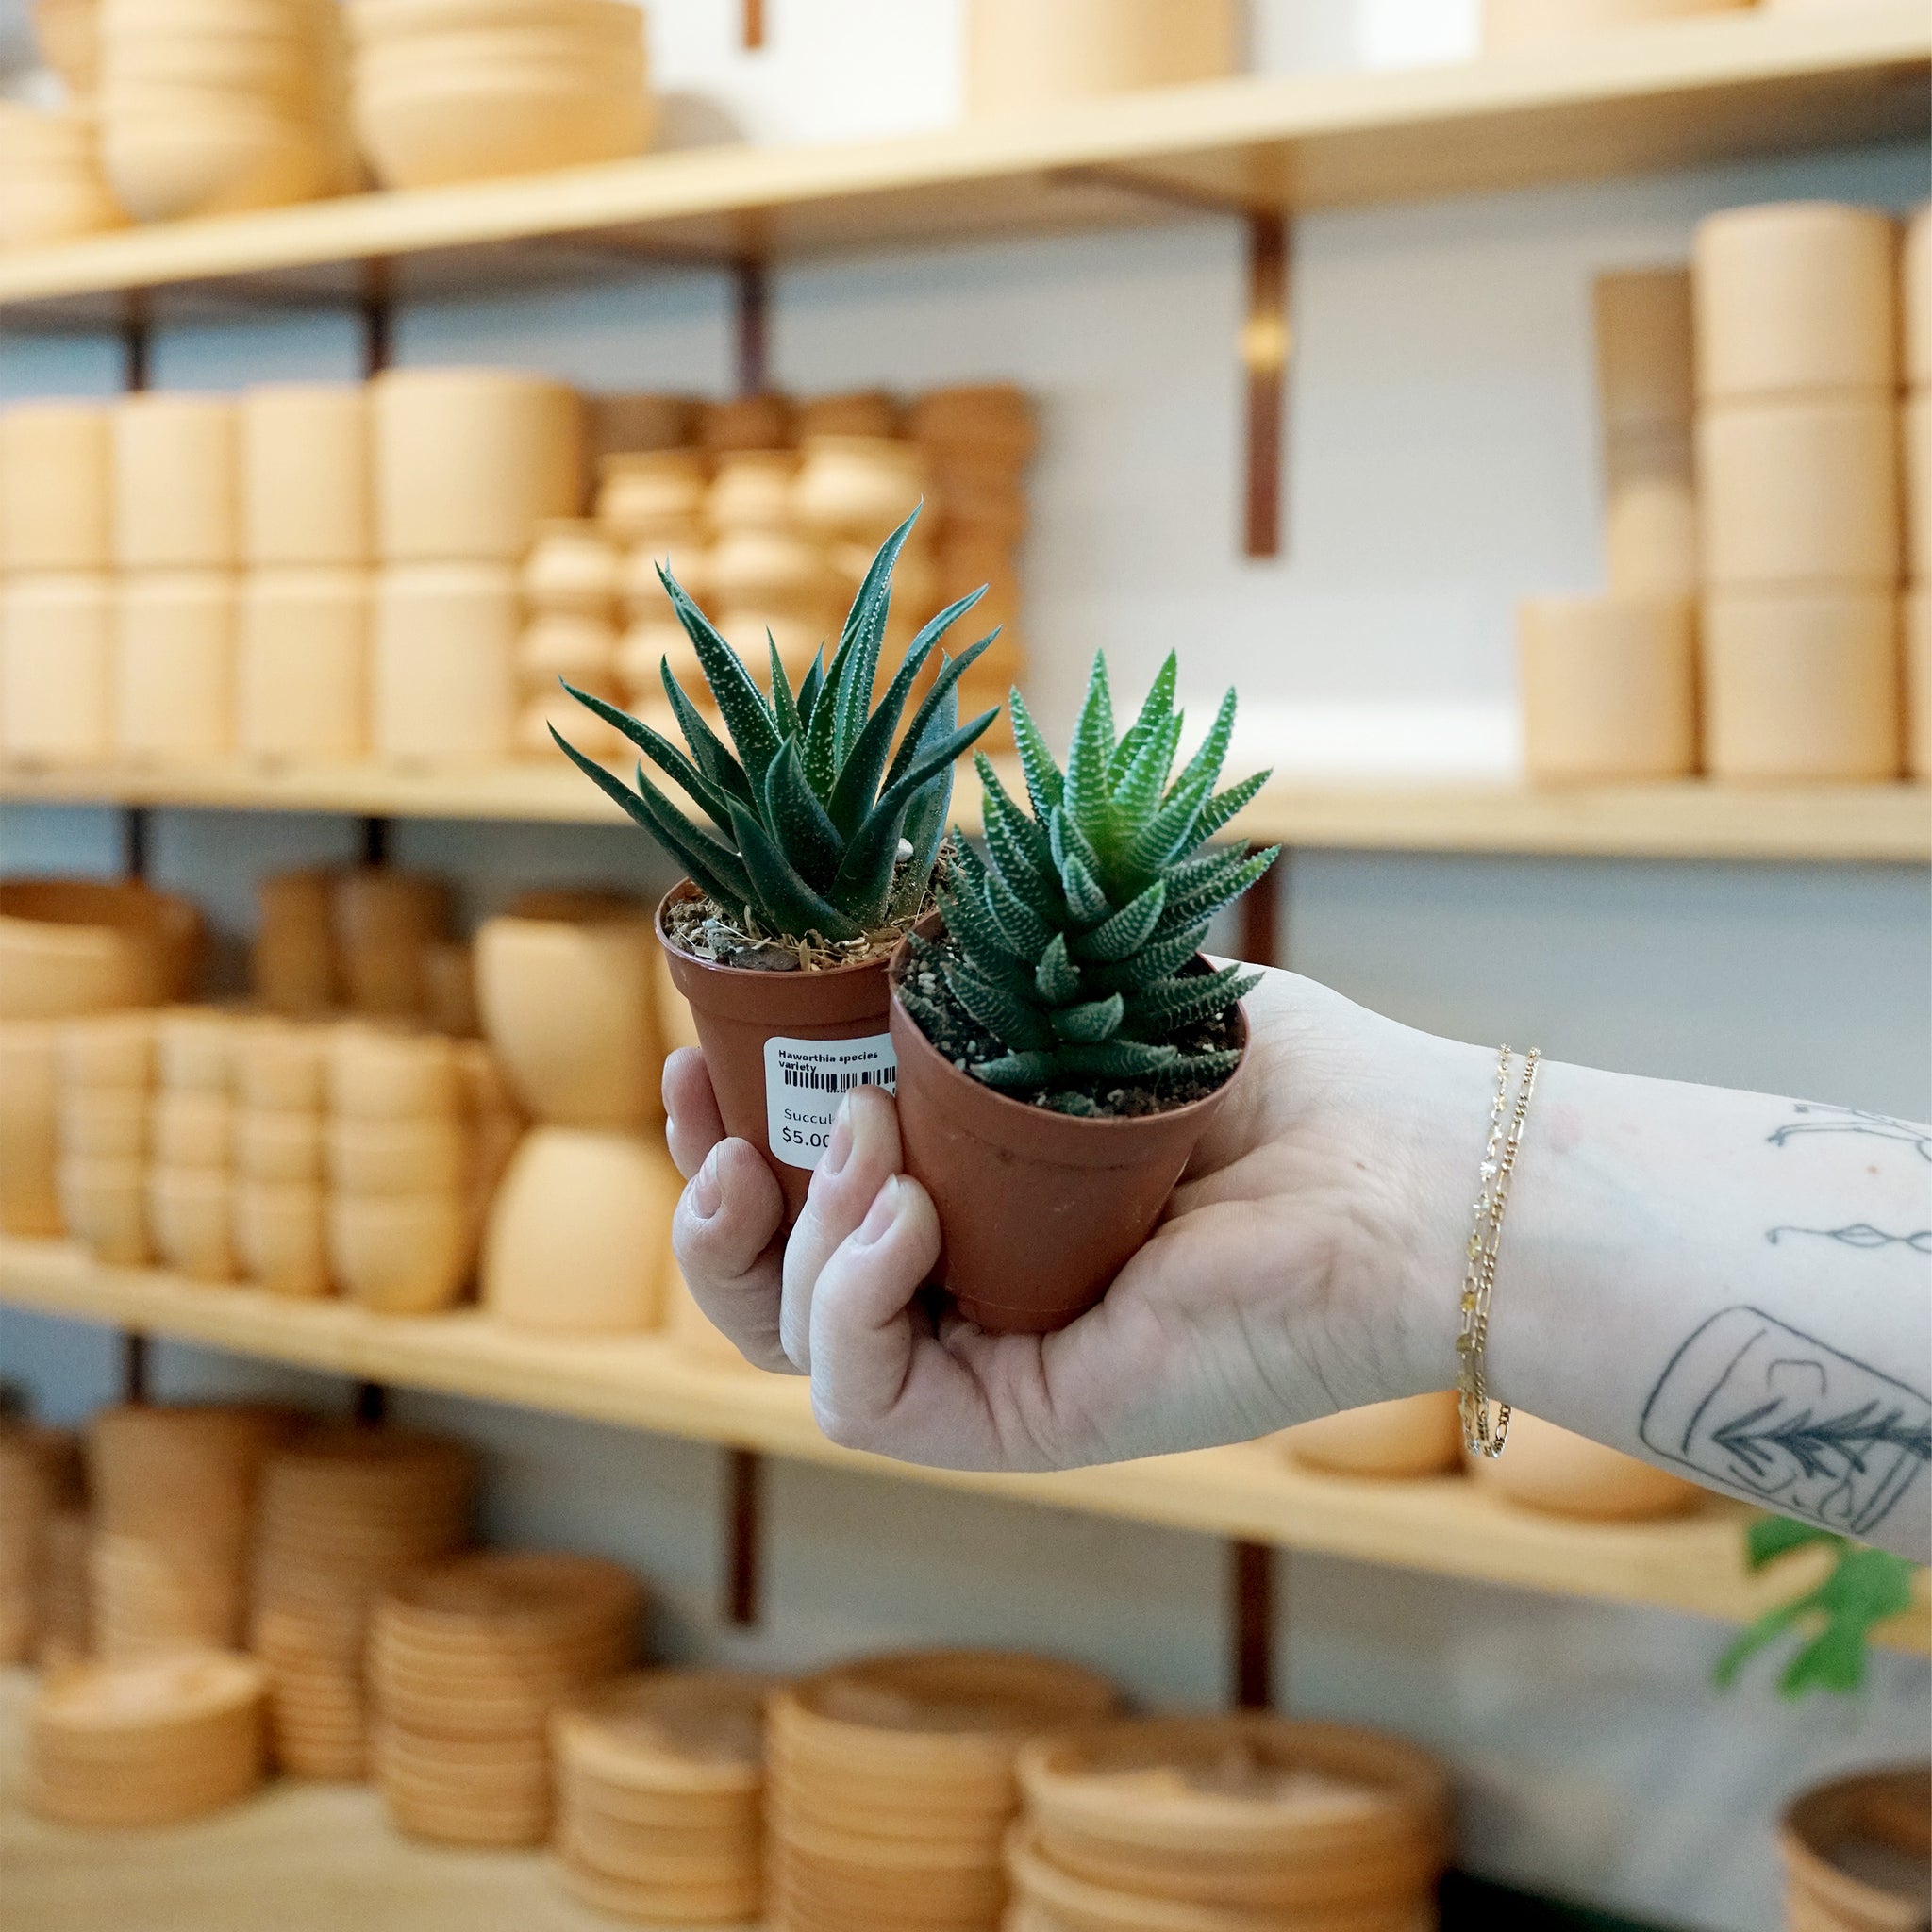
302 664
29 1132
103 1206
1851 1851
56 649
469 461
751 490
175 484
1561 1474
190 1217
306 489
1650 513
1802 491
1917 683
191 1129
443 676
1802 685
579 1235
762 422
1644 355
572 567
567 997
398 1254
379 1075
56 487
281 1237
103 1122
1419 1436
642 494
1027 55
175 665
1915 300
1916 423
1511 24
1796 296
74 947
1609 688
856 489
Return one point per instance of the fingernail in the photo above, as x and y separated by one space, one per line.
706 1194
883 1212
839 1146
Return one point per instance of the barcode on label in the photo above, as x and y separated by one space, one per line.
841 1083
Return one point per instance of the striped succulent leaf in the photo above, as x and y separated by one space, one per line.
819 789
1069 942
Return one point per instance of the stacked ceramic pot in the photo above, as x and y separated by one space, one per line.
146 1743
771 576
281 1240
190 1176
467 464
1416 1436
977 441
661 1797
570 632
302 674
40 1474
1244 1821
400 1238
107 1078
465 89
67 37
208 106
385 926
1855 1852
292 959
579 1237
468 1662
65 1633
176 542
55 592
343 1514
891 1785
1025 56
1798 465
173 1495
652 503
1509 24
1610 682
1916 302
1558 1474
69 948
51 183
852 491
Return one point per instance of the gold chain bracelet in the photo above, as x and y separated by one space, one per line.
1480 1436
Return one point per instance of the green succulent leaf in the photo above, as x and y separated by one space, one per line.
1224 806
966 912
1021 837
1057 977
780 892
1084 900
1008 1018
943 695
661 752
747 717
1116 1059
784 705
707 749
1088 801
1204 886
1044 785
1206 763
1026 929
1171 1002
1088 1024
856 667
809 685
1015 1072
1154 708
1137 791
1126 932
801 827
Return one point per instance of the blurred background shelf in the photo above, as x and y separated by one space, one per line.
1849 824
1693 1564
1642 100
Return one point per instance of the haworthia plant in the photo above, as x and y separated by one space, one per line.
1070 941
812 815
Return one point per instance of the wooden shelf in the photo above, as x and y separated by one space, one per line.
1642 99
1693 1564
1849 824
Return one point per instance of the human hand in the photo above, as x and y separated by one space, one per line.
1306 1263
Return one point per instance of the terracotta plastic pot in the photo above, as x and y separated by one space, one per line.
750 1024
1850 1850
1037 1212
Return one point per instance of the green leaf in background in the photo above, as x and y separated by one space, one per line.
1865 1588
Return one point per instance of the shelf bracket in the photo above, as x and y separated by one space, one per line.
134 1367
1252 1580
753 28
372 1405
1267 350
377 835
744 1475
376 311
1260 939
751 325
135 829
135 341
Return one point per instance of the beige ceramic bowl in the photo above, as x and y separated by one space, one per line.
1551 1469
1024 57
110 1050
196 1049
494 123
1609 688
649 492
857 488
165 168
573 566
378 1075
104 1123
193 1130
57 643
281 1237
29 1134
423 1156
70 946
280 1146
398 1254
191 1215
104 1205
1421 1436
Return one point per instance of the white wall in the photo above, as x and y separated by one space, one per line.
1443 465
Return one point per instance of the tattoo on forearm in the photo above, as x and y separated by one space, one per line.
1785 1419
1860 1234
1852 1120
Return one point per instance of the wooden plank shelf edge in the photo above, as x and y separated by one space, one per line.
1849 824
1693 1564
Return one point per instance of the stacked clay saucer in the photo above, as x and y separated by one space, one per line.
891 1785
661 1796
146 1743
468 1660
345 1513
40 1472
1246 1822
175 1491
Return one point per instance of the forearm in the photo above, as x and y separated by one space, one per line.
1731 1285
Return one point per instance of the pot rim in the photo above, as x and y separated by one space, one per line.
1004 1106
688 889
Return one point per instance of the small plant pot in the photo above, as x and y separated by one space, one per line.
749 1022
1037 1212
1849 1848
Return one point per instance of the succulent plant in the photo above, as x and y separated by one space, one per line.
1070 943
823 829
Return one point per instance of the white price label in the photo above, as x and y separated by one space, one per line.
805 1081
